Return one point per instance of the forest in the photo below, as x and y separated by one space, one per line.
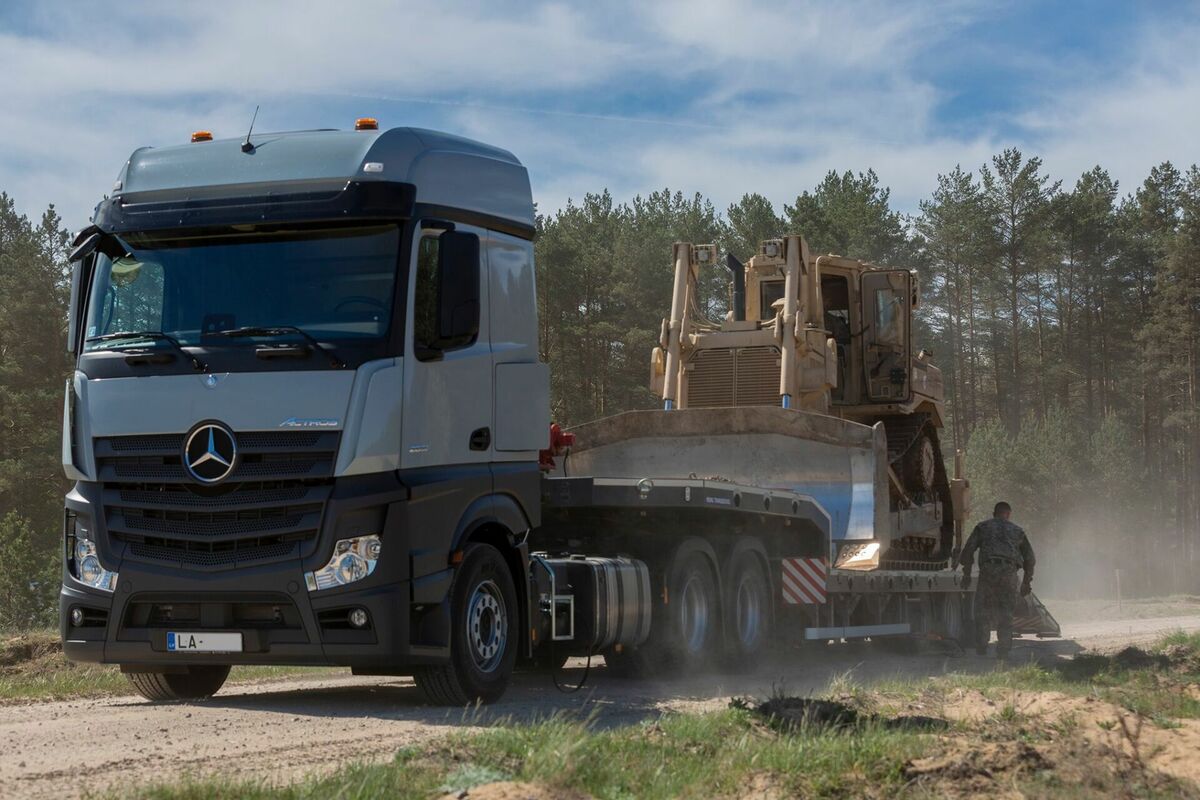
1065 315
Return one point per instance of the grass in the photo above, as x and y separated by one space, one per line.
1153 684
32 667
738 753
687 755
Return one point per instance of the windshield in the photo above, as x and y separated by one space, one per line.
333 283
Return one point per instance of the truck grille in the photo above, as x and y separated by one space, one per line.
747 376
270 508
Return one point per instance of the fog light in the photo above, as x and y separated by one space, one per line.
352 560
359 618
77 616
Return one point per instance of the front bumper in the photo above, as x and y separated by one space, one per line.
280 622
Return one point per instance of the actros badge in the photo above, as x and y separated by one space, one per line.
210 453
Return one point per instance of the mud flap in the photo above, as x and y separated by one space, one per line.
1031 617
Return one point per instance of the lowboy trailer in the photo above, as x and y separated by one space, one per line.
307 425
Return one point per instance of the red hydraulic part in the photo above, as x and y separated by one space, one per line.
560 443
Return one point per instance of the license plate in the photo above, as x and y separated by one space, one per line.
184 642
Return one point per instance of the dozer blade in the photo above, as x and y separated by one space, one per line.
1032 617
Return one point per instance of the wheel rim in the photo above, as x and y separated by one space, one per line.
749 608
487 626
694 610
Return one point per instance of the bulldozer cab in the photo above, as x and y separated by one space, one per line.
850 322
868 316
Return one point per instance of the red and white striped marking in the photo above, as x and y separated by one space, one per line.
804 580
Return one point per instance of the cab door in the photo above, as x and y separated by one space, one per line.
447 409
887 338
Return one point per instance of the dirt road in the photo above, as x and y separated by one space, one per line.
284 730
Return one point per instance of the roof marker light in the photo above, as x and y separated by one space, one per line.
373 166
202 136
366 124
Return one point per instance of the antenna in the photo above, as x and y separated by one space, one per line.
246 146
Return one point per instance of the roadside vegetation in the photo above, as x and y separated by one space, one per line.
1125 725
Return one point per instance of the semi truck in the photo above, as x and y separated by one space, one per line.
308 425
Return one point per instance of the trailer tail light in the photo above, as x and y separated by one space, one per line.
366 124
202 136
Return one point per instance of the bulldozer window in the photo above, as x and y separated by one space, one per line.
889 317
768 293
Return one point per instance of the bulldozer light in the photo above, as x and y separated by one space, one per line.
352 560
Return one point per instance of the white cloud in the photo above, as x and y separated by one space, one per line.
715 96
1150 114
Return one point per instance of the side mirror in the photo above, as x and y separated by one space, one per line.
458 289
87 244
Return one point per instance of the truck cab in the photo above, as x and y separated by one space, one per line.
306 389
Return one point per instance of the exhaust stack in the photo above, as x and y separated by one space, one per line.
738 270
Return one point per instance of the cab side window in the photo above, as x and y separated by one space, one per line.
446 293
425 298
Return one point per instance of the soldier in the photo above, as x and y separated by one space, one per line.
1003 549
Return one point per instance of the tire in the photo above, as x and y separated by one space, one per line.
484 634
684 632
953 622
692 617
747 612
199 682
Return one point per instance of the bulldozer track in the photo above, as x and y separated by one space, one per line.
903 434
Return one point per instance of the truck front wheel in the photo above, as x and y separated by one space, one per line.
483 636
198 682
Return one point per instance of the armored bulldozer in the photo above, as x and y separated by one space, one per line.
826 335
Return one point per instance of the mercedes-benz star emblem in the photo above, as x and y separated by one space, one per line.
210 453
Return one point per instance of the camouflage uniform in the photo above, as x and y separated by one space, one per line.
1003 549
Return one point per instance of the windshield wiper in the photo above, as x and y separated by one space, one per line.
156 336
284 330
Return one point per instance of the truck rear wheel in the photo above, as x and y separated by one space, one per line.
483 635
748 611
200 681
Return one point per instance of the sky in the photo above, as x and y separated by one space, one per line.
722 98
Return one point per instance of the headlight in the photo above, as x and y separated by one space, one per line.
82 560
352 560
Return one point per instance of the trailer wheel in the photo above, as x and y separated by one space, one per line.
200 681
483 635
748 612
683 634
692 613
952 618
